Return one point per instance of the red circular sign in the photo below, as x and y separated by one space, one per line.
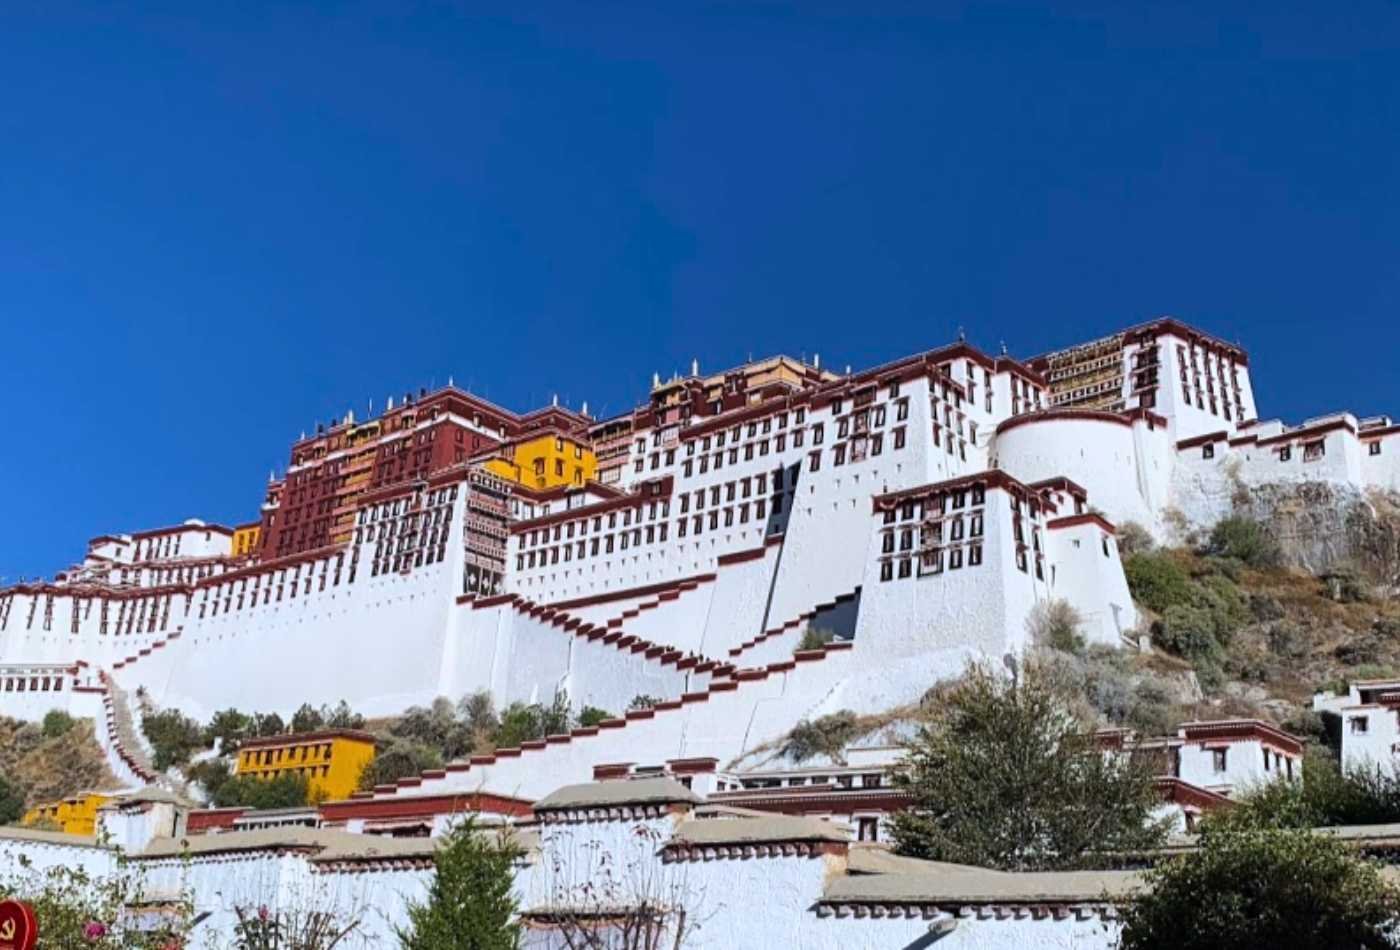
18 928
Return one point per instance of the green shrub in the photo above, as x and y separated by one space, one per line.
1345 585
814 638
286 790
1188 631
1056 624
56 723
592 715
643 701
1227 605
827 735
1157 580
1262 887
401 758
1154 711
173 736
1133 538
1244 539
211 774
11 801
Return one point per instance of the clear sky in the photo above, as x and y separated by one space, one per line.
220 223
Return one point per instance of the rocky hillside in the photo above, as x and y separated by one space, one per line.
51 760
1320 526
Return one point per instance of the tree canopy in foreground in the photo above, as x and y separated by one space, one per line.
1006 775
1263 887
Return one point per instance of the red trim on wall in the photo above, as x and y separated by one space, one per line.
1088 517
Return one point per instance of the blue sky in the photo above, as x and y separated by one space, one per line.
220 223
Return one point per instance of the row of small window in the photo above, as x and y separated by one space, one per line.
240 585
1312 451
768 424
308 771
765 426
229 603
167 546
756 485
567 530
695 525
401 562
931 562
940 502
932 533
761 447
433 517
131 620
392 509
300 753
858 449
33 684
181 575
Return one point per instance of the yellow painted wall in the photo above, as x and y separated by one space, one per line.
74 815
546 461
245 540
331 763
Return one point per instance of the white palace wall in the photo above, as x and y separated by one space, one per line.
1086 569
1125 467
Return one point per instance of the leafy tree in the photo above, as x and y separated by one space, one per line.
11 801
268 724
1244 540
399 759
211 774
229 727
592 715
173 735
478 711
469 904
1005 776
643 701
1262 887
287 790
56 723
1325 796
307 719
520 722
342 717
435 726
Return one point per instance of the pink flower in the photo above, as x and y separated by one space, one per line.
95 930
263 913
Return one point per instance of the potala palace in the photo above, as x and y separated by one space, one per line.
914 513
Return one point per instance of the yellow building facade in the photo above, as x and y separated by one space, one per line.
74 815
330 761
245 539
549 460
